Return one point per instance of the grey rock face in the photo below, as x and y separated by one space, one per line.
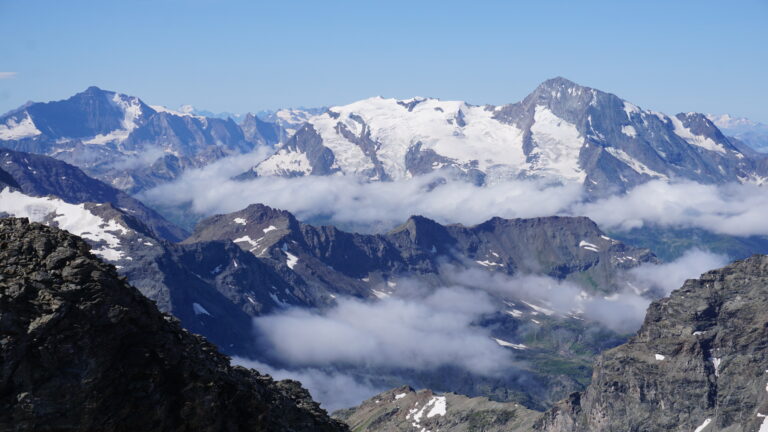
84 351
258 131
699 362
403 409
7 180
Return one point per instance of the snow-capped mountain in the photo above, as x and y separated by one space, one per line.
121 140
561 131
752 133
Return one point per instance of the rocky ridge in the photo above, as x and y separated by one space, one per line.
699 362
334 261
404 409
83 350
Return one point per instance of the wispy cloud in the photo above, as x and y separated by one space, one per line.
7 75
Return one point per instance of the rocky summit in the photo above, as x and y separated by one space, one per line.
699 363
82 350
403 409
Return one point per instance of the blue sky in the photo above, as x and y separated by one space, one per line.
238 56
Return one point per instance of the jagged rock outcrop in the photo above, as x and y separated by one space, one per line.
82 350
699 362
403 409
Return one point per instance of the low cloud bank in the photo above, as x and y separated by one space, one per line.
412 333
732 209
347 199
622 312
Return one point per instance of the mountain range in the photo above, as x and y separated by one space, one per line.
561 131
123 141
697 363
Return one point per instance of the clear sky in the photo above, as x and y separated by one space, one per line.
237 56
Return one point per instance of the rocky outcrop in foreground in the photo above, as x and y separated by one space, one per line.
699 363
403 409
81 350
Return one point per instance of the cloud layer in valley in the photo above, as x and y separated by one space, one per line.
347 201
414 333
425 328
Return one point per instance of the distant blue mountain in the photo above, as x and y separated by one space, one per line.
123 141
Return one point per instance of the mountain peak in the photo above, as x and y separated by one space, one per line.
93 89
422 231
559 82
560 88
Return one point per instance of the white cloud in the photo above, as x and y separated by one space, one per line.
7 75
423 328
731 209
416 333
734 209
346 199
667 277
622 312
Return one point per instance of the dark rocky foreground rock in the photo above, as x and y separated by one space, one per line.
82 350
699 363
403 409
